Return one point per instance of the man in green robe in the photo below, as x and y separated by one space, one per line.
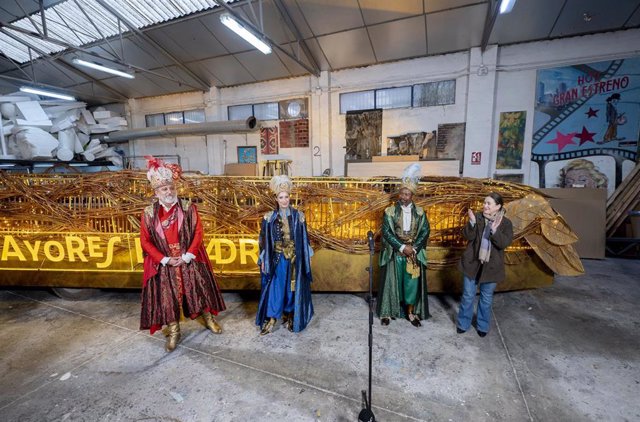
405 229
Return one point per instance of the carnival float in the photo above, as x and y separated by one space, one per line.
81 230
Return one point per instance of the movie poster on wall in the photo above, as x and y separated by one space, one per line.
586 124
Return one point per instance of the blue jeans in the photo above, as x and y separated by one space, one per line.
465 313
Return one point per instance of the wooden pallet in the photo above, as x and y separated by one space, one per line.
625 198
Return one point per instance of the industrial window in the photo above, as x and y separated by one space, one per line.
262 111
434 93
266 111
362 100
175 118
420 95
393 97
154 120
240 112
194 116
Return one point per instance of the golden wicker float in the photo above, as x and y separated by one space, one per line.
81 230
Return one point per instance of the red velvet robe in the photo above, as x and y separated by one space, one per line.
165 289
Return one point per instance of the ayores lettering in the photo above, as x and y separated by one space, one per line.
69 248
87 251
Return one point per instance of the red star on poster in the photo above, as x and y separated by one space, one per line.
562 140
592 113
585 136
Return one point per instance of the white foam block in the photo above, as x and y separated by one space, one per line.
102 128
102 114
64 121
36 123
114 121
31 110
35 143
57 110
88 117
13 99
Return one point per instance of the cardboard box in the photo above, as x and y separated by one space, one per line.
241 169
585 210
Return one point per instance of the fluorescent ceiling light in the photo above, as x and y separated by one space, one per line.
233 24
103 68
506 6
46 93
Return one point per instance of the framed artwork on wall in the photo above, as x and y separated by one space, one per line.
511 139
247 154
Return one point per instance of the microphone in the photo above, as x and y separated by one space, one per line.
371 241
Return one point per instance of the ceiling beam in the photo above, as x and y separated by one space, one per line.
44 18
27 15
27 81
74 48
84 12
489 22
247 24
203 84
284 12
65 65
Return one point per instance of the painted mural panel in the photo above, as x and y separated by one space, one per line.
511 139
587 118
363 134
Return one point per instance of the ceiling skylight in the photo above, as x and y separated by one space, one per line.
68 22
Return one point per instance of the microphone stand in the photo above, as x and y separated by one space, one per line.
366 415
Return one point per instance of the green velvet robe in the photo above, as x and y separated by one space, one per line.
388 303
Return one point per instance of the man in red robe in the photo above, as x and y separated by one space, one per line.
177 273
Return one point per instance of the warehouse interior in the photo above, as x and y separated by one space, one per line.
340 95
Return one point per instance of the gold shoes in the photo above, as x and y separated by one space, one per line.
287 321
173 336
211 323
267 328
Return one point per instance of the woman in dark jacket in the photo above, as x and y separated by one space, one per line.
488 233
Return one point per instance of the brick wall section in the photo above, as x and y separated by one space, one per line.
294 133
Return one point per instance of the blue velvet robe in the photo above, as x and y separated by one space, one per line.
303 307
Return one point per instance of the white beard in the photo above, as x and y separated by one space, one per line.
168 201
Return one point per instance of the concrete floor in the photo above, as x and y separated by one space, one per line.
569 352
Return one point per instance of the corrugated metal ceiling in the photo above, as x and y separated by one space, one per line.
181 45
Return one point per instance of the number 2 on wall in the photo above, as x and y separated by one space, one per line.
316 151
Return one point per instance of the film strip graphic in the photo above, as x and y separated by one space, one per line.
618 154
568 111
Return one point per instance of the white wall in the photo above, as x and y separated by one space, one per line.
509 85
189 148
398 121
